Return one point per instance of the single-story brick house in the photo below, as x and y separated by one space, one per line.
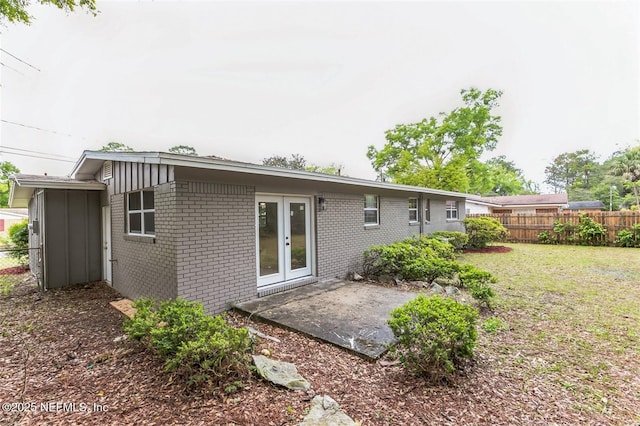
514 204
164 225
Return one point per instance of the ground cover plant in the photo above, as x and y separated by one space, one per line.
561 346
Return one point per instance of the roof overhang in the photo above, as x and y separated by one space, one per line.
91 162
23 187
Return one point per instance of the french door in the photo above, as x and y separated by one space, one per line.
283 238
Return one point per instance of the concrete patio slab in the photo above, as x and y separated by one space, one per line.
348 314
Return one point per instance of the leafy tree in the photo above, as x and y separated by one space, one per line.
183 149
6 170
296 162
573 170
627 165
438 152
116 147
498 176
16 10
333 169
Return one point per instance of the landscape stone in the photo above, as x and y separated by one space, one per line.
436 288
357 277
325 411
451 290
280 372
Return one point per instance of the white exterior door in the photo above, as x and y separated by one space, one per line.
283 238
106 244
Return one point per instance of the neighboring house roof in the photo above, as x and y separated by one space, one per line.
91 162
14 213
24 185
577 205
522 200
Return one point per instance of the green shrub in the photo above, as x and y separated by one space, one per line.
458 240
195 346
482 292
546 237
590 232
484 230
423 259
434 247
434 334
629 237
494 325
469 274
19 241
587 232
412 259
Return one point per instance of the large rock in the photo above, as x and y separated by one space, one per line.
325 411
451 290
280 372
436 288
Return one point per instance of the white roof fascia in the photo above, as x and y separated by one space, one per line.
22 189
83 168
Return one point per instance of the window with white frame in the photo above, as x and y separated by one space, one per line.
452 210
371 208
427 210
141 213
413 210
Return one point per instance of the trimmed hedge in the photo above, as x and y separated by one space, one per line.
434 334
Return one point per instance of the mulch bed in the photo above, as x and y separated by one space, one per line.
14 270
489 249
65 347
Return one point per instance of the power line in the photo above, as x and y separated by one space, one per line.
15 57
36 128
35 156
11 68
36 152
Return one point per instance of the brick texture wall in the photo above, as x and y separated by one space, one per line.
342 236
216 244
145 266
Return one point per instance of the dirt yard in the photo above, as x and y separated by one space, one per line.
63 361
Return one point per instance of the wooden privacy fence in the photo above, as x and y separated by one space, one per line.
524 228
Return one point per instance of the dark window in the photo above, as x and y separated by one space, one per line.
141 213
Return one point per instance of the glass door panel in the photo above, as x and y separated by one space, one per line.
298 232
283 238
297 238
269 224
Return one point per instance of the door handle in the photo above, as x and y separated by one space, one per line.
287 244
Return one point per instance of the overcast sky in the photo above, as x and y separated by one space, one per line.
246 80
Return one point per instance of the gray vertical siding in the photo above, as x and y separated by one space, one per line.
342 237
72 229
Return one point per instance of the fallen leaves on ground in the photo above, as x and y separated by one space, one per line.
63 352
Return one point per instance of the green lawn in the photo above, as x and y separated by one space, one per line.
574 323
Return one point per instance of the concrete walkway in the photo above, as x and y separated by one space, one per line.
348 314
